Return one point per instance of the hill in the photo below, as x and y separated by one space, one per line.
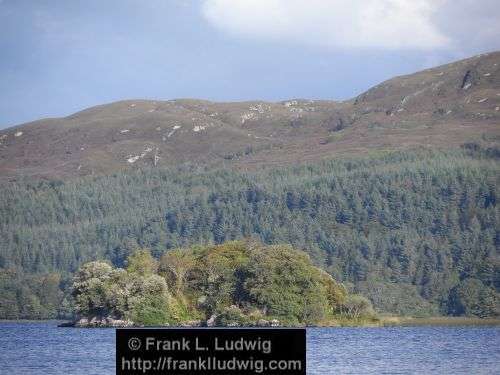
394 193
441 107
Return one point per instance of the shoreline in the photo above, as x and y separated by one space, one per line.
452 321
384 322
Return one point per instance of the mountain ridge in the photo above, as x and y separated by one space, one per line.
441 107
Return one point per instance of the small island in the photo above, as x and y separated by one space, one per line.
238 283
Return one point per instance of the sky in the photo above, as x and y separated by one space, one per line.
61 56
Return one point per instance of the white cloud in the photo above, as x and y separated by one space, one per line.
393 24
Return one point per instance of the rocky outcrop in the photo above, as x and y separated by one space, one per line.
97 322
108 322
268 323
211 321
191 323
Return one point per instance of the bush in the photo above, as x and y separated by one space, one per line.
285 284
99 290
357 307
232 316
90 285
142 263
151 311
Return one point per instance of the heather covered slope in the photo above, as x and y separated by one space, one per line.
441 107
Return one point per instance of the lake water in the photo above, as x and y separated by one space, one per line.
42 348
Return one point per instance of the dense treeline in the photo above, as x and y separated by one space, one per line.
416 232
34 296
234 284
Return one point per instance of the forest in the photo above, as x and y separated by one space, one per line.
416 232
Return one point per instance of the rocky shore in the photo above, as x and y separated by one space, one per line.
108 322
96 322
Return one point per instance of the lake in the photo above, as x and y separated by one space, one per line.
42 348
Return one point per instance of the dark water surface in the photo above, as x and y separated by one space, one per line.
42 348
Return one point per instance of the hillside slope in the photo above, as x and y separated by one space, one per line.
440 107
416 232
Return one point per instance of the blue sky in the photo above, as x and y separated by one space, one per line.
60 56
